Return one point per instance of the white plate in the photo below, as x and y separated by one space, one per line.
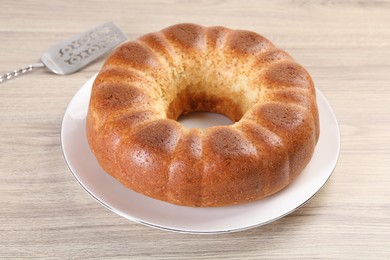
151 212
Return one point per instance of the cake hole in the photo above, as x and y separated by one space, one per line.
203 120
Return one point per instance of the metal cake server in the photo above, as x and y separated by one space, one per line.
73 54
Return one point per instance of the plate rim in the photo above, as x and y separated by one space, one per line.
192 231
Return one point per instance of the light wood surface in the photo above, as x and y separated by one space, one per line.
345 45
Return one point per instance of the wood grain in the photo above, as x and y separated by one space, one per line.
345 45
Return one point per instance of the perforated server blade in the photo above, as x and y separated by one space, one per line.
75 53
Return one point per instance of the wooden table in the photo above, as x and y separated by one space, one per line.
345 46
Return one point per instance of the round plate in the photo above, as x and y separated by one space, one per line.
155 213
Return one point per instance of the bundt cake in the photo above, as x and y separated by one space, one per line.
146 84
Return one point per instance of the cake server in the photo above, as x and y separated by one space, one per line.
75 53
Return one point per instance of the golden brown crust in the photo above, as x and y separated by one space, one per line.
185 176
145 85
186 36
247 43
